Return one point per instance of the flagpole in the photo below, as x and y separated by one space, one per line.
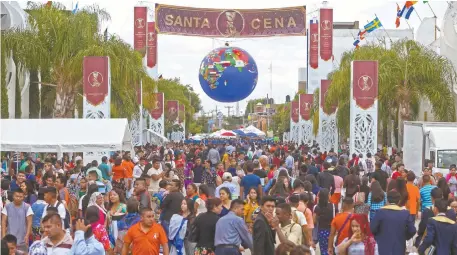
384 29
434 15
417 14
408 24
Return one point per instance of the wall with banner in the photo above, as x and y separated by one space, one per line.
328 131
364 107
306 123
294 133
96 95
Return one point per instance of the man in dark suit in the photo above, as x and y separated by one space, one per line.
441 232
392 226
263 235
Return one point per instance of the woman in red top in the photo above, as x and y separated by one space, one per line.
220 169
398 171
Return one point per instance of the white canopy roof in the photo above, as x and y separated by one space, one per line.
156 138
252 129
65 135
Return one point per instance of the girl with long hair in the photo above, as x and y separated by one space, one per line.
178 227
84 200
442 184
401 188
360 240
117 210
252 203
29 191
451 179
226 198
168 160
376 199
324 213
281 188
204 228
99 231
200 202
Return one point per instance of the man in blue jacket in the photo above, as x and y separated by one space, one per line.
441 232
392 226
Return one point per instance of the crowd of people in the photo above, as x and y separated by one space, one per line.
225 199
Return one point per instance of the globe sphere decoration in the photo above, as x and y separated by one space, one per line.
228 74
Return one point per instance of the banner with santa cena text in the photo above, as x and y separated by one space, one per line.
96 95
364 107
326 33
140 16
328 131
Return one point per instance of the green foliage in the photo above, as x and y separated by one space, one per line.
17 99
56 44
281 120
34 97
3 89
408 73
195 128
250 107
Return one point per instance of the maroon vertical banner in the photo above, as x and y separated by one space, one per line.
325 84
157 111
326 34
140 28
182 113
314 44
294 111
172 109
365 83
152 45
306 103
96 78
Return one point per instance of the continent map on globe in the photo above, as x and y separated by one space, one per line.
228 74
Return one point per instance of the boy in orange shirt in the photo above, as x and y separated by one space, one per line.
413 194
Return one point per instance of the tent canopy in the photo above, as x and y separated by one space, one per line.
65 135
252 129
157 138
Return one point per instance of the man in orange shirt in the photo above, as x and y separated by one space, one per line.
341 224
128 166
146 236
413 194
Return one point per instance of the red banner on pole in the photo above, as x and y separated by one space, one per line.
306 103
139 28
152 45
365 83
157 110
294 111
173 107
182 113
326 34
230 23
96 79
314 44
325 84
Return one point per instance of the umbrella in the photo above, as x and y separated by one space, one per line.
228 133
250 134
239 132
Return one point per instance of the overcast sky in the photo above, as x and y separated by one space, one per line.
180 56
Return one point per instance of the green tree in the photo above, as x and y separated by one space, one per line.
281 120
3 89
57 42
408 74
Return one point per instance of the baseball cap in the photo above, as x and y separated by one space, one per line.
135 160
227 176
78 158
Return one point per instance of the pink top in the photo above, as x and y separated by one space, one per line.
338 183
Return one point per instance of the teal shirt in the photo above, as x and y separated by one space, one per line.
104 168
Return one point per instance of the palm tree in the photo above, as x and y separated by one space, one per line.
56 42
408 74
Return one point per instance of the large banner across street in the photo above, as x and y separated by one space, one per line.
181 20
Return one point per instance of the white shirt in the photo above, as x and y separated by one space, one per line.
60 210
154 186
29 211
137 171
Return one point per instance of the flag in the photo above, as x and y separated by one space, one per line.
373 25
399 13
356 43
76 8
410 3
408 12
361 34
425 2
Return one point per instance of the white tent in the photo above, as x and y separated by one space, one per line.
156 138
252 129
65 135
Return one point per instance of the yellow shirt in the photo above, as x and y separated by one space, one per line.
249 209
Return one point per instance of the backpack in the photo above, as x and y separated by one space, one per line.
66 221
295 220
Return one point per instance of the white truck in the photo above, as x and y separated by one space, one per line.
436 141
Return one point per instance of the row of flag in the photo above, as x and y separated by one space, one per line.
404 12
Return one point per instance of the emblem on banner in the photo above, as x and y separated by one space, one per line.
140 23
296 111
315 37
326 24
95 79
157 105
150 36
365 83
232 21
307 107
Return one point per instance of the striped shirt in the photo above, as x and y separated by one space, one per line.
426 196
